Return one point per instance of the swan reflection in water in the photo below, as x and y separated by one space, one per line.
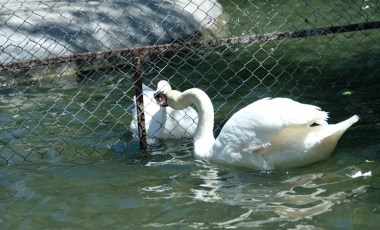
287 198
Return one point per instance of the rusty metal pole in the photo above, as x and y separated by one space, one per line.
139 102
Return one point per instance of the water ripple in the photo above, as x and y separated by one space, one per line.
290 199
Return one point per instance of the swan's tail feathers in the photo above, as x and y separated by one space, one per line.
333 132
350 121
341 127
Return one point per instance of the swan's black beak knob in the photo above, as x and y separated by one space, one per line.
161 99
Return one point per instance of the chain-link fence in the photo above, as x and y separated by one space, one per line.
70 69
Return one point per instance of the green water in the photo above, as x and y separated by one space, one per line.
67 160
172 190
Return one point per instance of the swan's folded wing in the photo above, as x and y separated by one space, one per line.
253 127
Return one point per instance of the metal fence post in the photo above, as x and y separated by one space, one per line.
139 101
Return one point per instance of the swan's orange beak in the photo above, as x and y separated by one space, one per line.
161 99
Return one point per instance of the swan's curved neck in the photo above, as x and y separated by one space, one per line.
203 136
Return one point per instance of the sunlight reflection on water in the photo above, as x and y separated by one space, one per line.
267 199
288 205
173 190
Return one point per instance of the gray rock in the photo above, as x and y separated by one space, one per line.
36 30
51 28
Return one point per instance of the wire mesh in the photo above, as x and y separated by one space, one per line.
67 76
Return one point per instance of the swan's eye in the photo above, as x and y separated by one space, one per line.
161 99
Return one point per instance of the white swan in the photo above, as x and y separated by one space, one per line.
164 122
266 135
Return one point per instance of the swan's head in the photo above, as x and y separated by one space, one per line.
163 87
165 96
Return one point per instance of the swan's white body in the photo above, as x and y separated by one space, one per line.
164 122
267 134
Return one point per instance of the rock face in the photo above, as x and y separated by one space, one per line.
34 29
